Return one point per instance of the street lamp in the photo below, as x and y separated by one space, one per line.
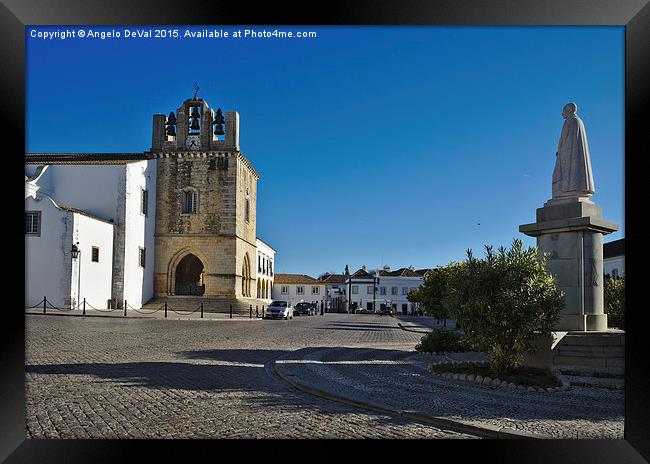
75 252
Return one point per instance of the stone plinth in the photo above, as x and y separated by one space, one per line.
571 231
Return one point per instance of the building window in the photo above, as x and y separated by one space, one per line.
271 268
300 290
259 264
285 290
355 289
248 210
393 290
144 201
190 202
382 291
405 290
94 254
315 290
142 257
33 223
370 290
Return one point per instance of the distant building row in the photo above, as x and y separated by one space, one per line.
369 290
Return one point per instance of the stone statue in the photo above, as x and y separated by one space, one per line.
572 175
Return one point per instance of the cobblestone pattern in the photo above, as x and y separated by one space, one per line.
150 378
399 380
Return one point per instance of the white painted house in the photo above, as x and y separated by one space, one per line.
614 258
265 259
297 288
377 289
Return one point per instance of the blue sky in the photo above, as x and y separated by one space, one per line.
375 145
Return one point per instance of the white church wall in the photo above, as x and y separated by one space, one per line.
91 188
47 256
94 281
139 232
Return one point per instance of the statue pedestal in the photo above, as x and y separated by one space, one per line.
571 230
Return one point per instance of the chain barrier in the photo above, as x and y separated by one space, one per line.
59 309
184 313
101 310
38 305
81 304
145 312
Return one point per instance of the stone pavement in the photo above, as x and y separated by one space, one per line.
115 377
398 380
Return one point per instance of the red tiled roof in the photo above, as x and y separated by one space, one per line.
296 279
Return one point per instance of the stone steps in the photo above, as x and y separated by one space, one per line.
210 304
591 352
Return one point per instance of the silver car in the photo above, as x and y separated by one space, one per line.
279 309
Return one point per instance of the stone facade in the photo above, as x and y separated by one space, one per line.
220 231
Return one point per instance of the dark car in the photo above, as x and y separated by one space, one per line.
303 309
385 310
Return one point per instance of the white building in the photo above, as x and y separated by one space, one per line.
265 259
614 258
336 292
297 288
68 252
374 290
101 195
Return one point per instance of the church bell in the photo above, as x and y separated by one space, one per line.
218 121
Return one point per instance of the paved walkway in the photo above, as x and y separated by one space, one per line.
398 381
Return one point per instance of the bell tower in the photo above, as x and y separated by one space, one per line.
205 208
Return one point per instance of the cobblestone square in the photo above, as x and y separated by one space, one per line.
94 377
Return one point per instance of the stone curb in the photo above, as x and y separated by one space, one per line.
484 431
408 329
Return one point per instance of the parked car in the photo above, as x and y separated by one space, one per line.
384 310
279 309
303 309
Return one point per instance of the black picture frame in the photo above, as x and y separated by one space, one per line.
634 15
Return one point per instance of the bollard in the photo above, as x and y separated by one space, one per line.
257 311
322 309
124 308
201 310
262 311
84 310
230 310
44 303
250 316
165 308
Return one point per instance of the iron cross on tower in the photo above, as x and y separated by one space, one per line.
196 89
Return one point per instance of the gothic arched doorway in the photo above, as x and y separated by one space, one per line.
246 277
189 276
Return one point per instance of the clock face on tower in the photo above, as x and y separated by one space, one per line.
193 142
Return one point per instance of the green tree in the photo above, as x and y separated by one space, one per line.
614 288
503 302
431 293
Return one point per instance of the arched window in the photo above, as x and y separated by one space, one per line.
190 201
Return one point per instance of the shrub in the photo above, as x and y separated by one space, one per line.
440 340
503 302
614 289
